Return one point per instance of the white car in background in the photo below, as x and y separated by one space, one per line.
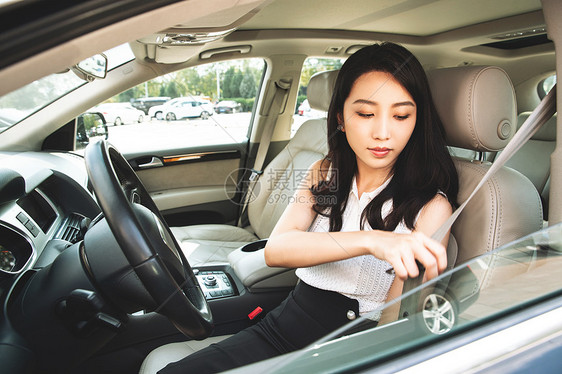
188 108
158 111
119 113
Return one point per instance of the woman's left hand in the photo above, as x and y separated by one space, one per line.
403 250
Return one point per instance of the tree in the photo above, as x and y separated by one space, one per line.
172 90
130 94
248 84
235 84
312 66
226 81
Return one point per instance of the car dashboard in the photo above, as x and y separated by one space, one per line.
44 200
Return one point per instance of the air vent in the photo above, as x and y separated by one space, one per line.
71 228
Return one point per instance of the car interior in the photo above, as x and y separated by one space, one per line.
131 254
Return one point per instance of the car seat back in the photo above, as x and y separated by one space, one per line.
533 159
477 107
282 176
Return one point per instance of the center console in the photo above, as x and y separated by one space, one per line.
215 284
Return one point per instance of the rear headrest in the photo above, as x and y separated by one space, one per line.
320 87
476 105
547 131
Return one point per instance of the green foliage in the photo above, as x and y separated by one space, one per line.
234 85
238 80
128 95
226 82
172 90
312 66
248 85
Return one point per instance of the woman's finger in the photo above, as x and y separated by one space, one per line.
428 260
438 250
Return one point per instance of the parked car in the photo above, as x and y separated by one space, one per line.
119 113
93 243
188 108
158 111
145 103
228 106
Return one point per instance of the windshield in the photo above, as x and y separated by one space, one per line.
19 104
487 288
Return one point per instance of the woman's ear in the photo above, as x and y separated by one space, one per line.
340 123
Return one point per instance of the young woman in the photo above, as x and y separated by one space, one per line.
369 207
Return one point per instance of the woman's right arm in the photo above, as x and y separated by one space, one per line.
291 245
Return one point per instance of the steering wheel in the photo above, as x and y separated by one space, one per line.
146 241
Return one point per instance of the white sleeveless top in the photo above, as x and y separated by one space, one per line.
363 278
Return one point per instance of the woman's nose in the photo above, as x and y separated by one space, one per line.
381 128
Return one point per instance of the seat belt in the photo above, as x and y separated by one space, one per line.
281 89
542 113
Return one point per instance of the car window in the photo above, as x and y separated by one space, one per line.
194 114
19 104
311 66
481 291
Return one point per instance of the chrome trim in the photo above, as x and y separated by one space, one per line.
154 163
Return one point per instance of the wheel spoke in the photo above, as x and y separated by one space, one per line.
436 326
445 308
427 314
448 323
433 301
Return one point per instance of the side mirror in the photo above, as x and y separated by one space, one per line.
90 125
91 68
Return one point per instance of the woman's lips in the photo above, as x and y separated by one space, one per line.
379 151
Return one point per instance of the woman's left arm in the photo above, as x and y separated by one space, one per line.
432 216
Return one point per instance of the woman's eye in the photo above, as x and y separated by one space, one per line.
365 115
402 118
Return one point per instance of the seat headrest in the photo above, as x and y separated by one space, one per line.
476 105
547 132
320 88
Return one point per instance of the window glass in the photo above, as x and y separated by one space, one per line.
311 66
484 290
203 105
19 104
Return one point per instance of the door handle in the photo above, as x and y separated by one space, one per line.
155 162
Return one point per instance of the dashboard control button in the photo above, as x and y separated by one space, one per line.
210 280
32 228
22 218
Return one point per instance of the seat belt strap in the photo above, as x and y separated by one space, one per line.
281 89
542 113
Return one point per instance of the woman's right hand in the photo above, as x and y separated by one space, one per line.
402 251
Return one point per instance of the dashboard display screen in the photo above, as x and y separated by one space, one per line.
39 209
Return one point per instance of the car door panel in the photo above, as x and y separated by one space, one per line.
199 182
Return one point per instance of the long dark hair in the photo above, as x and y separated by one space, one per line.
421 170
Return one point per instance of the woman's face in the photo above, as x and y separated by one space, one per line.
379 117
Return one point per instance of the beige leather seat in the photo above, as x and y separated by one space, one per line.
533 159
211 243
475 104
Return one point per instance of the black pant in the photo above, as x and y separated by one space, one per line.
306 315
